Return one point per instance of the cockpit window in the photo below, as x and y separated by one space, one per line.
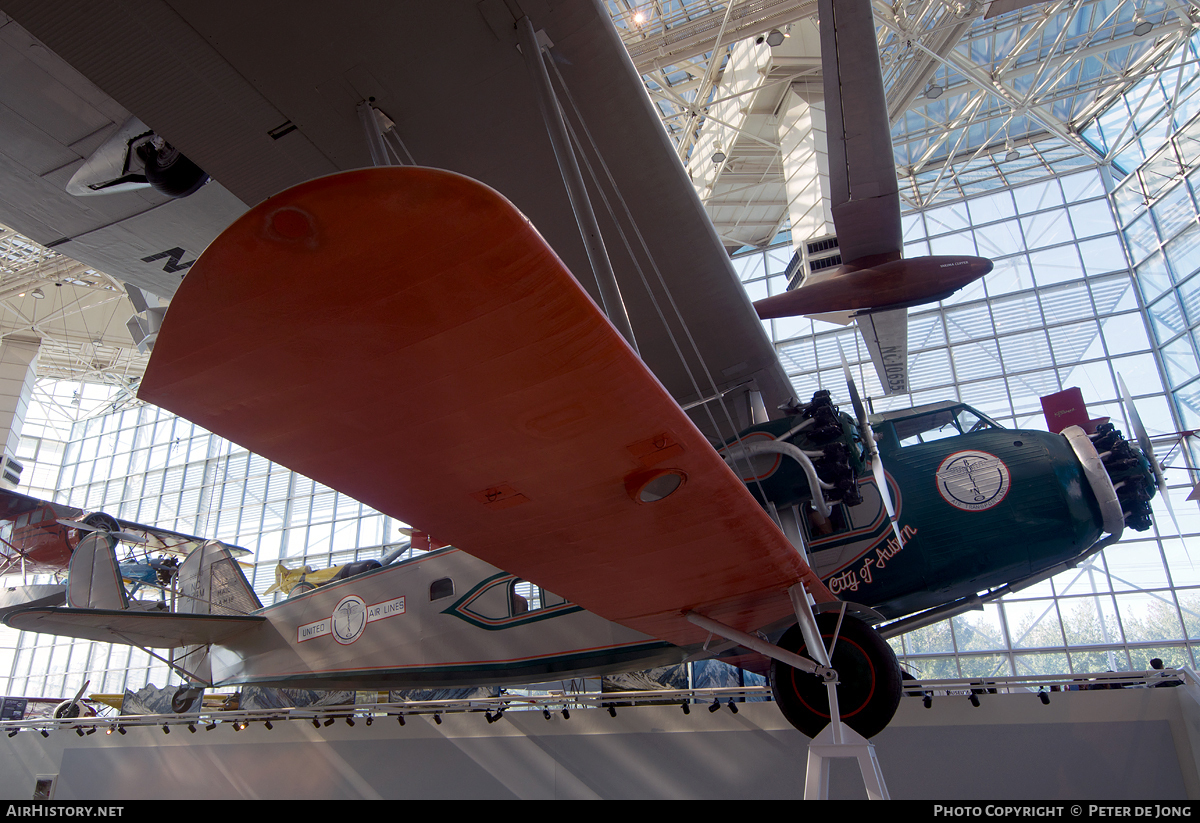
940 424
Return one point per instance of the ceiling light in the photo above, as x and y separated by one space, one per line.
719 155
1011 152
1141 26
933 91
38 293
775 38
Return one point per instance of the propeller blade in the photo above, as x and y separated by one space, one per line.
1143 438
868 436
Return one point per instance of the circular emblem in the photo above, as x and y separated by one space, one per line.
972 480
349 619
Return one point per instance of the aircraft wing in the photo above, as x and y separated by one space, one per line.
459 378
14 504
886 336
155 540
264 95
150 629
862 168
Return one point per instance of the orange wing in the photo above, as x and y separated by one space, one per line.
405 336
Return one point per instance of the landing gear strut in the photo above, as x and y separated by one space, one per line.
869 679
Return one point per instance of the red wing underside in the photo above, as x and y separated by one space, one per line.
406 337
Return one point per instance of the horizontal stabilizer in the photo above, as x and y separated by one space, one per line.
24 597
130 628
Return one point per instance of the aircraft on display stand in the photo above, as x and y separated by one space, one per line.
413 336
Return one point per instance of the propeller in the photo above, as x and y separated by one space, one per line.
868 436
1143 438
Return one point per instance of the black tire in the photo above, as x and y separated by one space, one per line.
184 697
67 709
169 172
868 680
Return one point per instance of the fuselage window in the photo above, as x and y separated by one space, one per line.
441 588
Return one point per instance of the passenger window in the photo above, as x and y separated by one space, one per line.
441 588
525 597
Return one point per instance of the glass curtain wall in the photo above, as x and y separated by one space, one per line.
91 447
1060 309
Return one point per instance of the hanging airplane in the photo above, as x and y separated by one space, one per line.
873 282
406 336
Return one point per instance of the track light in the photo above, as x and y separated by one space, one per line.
330 721
316 723
437 718
370 719
211 726
267 723
79 731
546 713
687 709
974 698
732 706
400 719
716 705
349 721
927 701
15 732
612 711
166 729
1042 696
44 732
566 715
120 730
109 730
92 730
191 728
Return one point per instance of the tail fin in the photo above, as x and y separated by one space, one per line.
211 582
94 580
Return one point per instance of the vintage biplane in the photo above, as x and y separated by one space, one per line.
427 338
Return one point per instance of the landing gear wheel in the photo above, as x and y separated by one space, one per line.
169 172
868 680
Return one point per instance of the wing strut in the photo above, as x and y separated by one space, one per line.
568 167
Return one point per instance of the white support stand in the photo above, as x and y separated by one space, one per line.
823 749
835 740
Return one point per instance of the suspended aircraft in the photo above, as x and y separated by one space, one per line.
873 283
414 337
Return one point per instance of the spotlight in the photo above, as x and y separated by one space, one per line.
212 725
686 708
44 732
716 705
330 721
546 713
566 715
612 711
166 729
437 718
15 732
974 698
316 723
1045 698
1011 154
775 38
718 156
349 721
191 728
109 730
927 701
1141 26
370 720
400 719
489 717
120 730
92 730
268 725
732 706
79 731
